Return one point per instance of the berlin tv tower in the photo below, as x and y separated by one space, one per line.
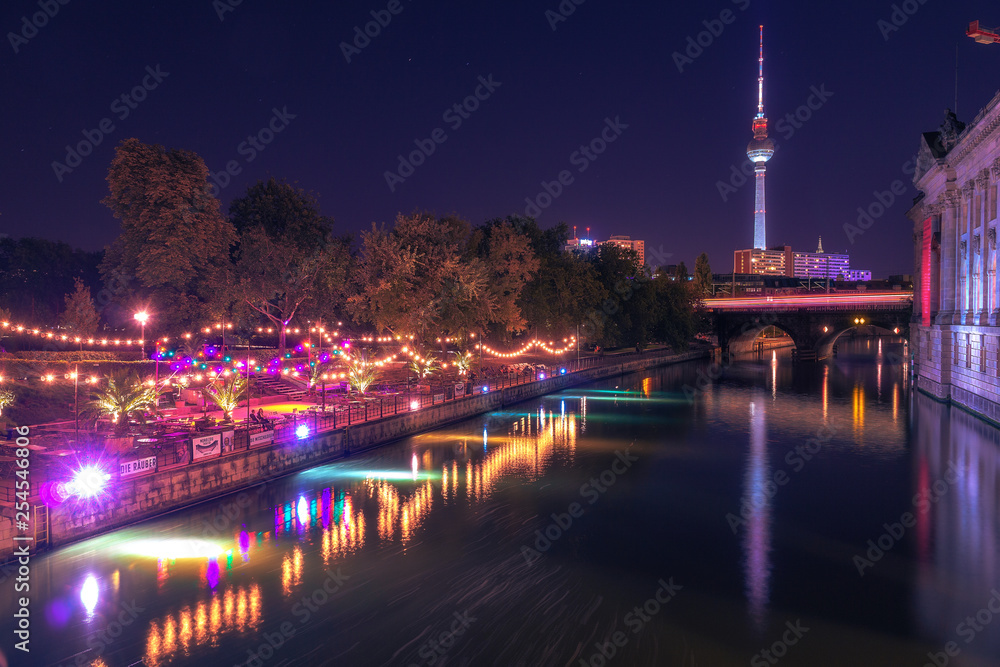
760 151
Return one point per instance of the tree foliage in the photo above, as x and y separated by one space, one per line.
36 274
287 256
174 243
702 275
227 394
124 396
81 316
431 275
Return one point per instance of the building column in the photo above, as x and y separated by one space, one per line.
980 247
991 236
968 200
949 262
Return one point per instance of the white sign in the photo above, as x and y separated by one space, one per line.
205 447
262 438
127 468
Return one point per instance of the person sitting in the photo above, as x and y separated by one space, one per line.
254 418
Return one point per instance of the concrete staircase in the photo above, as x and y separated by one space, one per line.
281 386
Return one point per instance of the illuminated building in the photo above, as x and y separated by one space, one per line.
778 261
627 242
857 275
783 261
955 334
821 264
760 150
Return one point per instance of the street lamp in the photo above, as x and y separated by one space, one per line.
141 317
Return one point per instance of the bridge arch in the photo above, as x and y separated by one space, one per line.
814 329
742 341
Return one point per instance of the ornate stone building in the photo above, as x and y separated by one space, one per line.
956 333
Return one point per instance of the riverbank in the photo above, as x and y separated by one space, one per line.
136 499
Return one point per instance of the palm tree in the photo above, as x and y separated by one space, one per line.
227 396
124 396
463 361
361 373
423 366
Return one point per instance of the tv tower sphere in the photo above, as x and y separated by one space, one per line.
760 149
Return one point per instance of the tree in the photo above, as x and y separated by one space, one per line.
510 263
702 275
227 396
174 241
565 292
674 321
628 308
35 275
681 273
361 373
286 255
124 396
81 315
420 279
424 367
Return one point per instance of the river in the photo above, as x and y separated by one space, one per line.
691 515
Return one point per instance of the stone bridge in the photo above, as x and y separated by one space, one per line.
814 323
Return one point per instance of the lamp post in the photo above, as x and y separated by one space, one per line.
142 317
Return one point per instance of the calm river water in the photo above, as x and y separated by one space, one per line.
807 515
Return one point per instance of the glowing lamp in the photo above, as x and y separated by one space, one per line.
562 371
414 405
302 431
87 482
486 389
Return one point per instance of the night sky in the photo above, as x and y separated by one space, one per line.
556 88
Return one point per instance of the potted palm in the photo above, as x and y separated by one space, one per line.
123 397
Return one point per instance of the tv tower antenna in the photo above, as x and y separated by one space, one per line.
760 150
760 77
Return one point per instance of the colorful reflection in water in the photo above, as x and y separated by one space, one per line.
235 611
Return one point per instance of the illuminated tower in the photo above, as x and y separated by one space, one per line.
760 151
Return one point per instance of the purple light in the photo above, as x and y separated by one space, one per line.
302 431
87 482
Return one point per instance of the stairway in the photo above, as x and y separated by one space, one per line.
282 387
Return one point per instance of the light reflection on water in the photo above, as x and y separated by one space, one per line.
435 524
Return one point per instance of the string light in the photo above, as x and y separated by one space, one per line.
531 344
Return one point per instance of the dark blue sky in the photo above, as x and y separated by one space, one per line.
656 181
